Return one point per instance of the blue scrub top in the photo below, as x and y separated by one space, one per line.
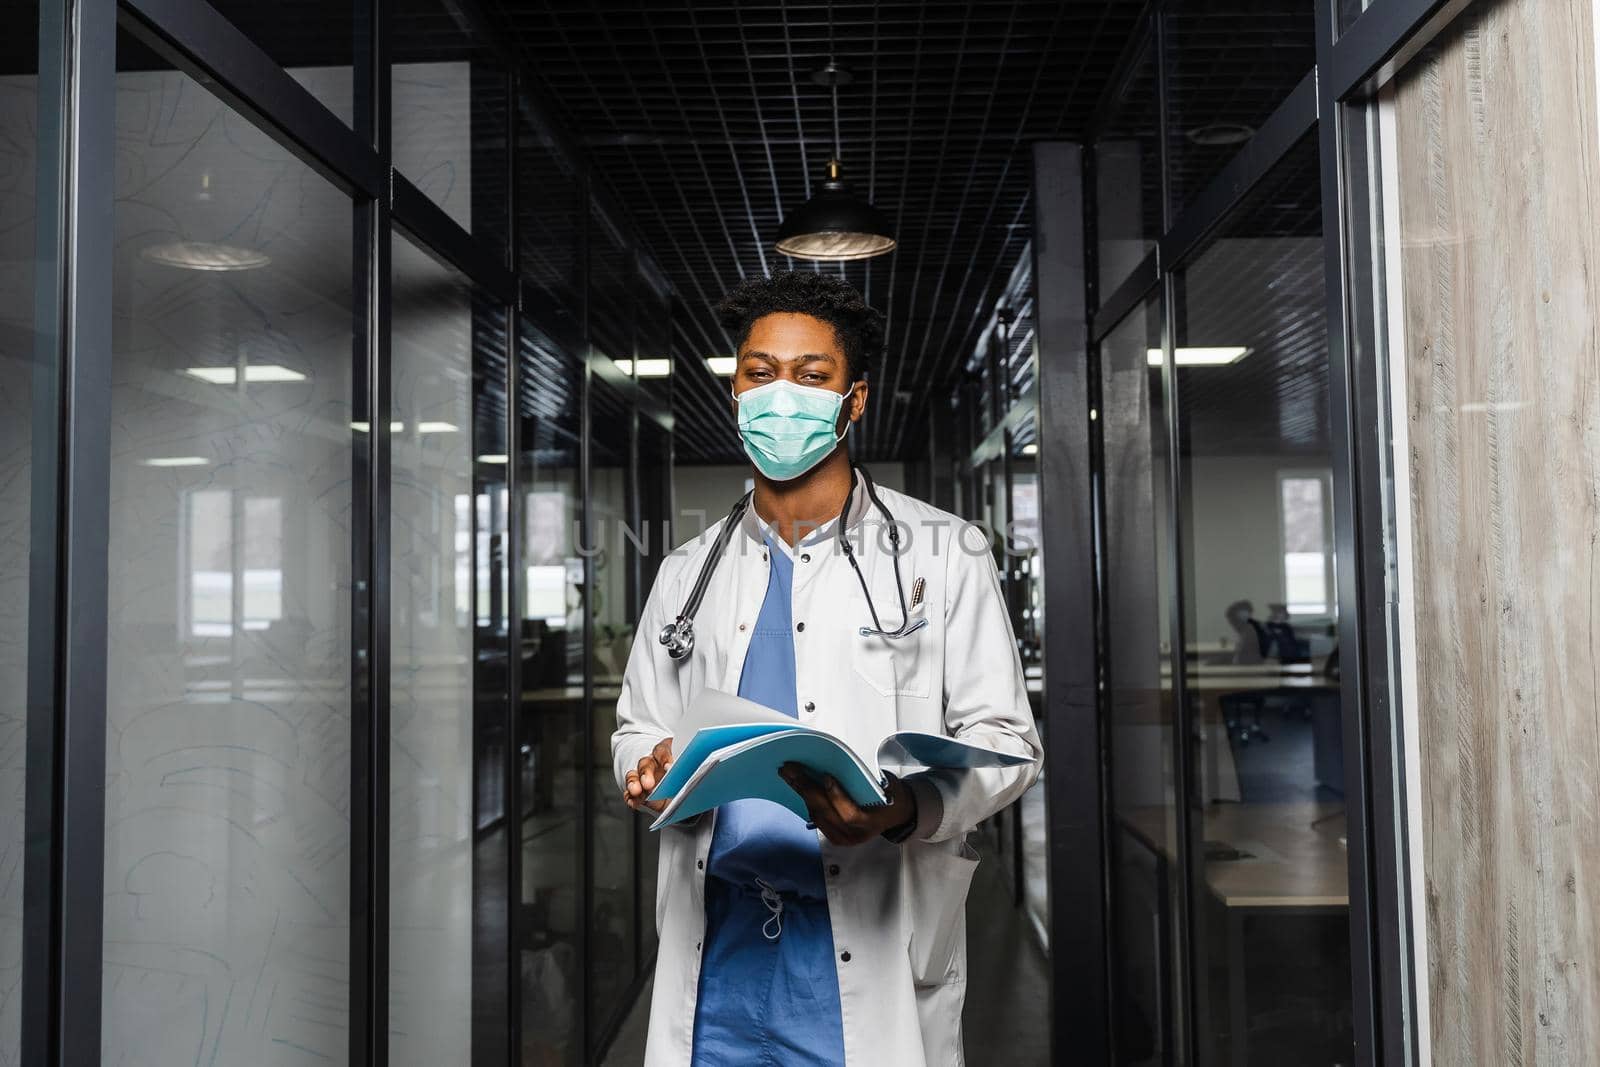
757 838
765 1000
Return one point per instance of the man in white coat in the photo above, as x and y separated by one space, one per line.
908 631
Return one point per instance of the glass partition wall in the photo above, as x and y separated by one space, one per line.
319 586
1228 820
1258 874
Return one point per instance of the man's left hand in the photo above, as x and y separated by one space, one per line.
841 820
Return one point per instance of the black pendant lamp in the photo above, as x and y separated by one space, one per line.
835 224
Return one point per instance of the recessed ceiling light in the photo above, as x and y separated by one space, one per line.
364 427
648 368
435 427
493 459
255 372
1202 357
175 461
1221 133
204 255
1030 449
722 365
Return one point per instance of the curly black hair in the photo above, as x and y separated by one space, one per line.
857 326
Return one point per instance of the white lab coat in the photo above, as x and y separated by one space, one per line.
898 911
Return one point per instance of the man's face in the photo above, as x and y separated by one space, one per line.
798 348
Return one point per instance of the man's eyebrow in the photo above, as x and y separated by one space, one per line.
809 357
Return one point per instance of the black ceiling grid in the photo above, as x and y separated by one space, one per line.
704 120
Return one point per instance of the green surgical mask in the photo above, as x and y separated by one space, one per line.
787 429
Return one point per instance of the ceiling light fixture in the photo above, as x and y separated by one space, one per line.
648 368
722 366
494 459
436 427
1221 133
176 461
1219 356
835 224
255 372
204 255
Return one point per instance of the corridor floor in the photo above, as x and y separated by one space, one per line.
1006 1020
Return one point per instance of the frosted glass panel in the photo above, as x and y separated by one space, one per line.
228 715
448 112
430 849
18 110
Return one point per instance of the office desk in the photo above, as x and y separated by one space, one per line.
1299 868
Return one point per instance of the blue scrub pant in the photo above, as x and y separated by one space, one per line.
766 1002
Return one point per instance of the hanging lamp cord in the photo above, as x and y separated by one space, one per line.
833 84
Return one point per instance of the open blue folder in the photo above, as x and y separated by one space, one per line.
737 747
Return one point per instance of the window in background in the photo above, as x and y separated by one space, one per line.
1307 543
1228 67
213 522
1270 897
551 704
19 108
1127 177
1144 857
449 115
431 662
228 745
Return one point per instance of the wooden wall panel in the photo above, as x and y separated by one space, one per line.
1499 178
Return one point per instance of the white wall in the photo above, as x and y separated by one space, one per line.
1234 538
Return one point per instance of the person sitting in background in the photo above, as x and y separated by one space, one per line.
1251 642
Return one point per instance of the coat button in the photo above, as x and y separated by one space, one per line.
800 626
833 870
845 956
805 557
741 626
810 706
701 864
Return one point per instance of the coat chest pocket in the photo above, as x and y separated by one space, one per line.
896 666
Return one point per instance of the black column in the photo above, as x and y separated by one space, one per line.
1073 750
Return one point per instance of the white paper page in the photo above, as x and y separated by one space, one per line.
713 707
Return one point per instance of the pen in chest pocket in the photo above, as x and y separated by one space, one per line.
916 591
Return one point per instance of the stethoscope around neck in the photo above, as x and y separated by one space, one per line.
678 635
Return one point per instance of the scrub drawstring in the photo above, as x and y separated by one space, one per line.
772 929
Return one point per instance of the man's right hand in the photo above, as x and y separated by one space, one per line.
644 778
